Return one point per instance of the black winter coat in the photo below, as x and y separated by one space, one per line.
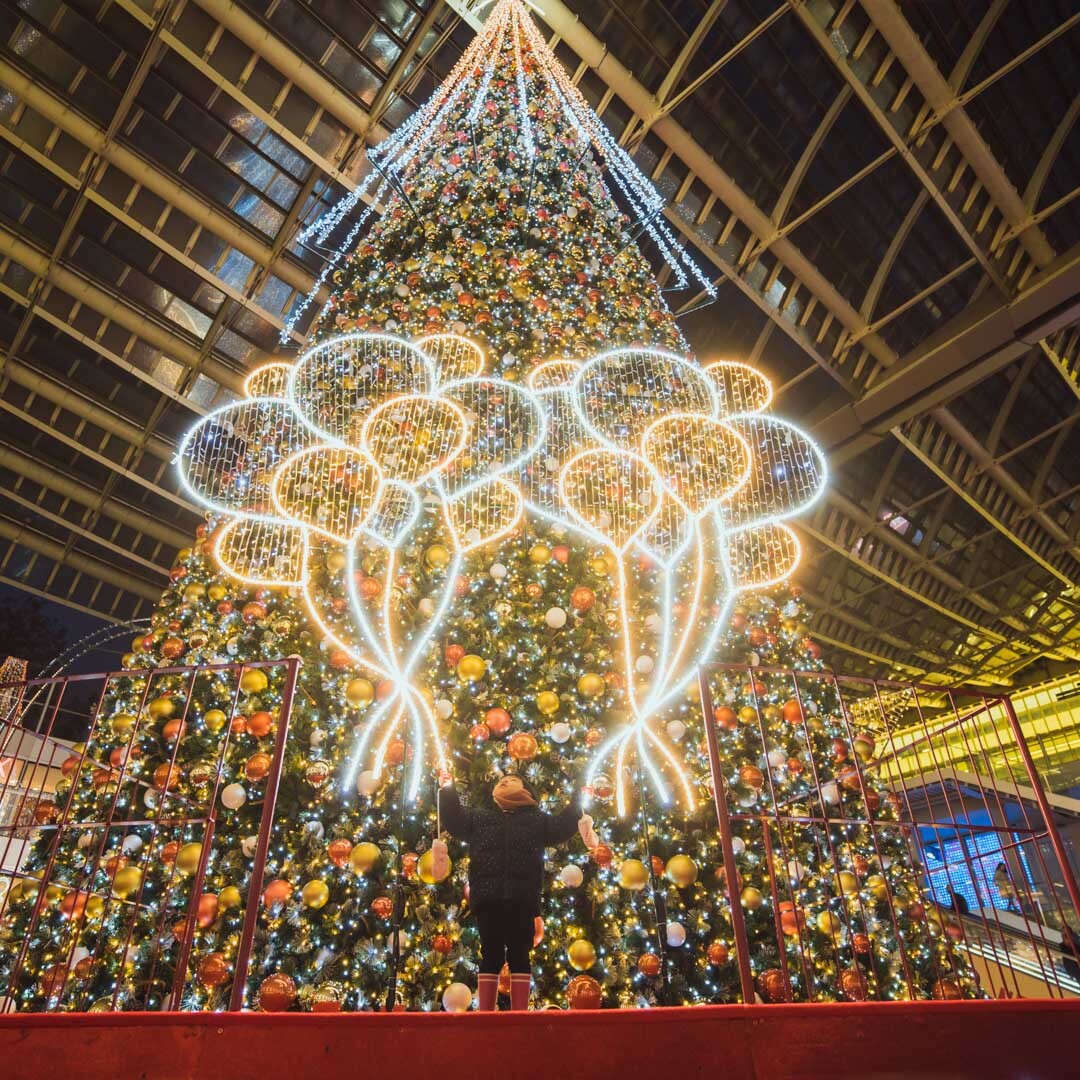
506 848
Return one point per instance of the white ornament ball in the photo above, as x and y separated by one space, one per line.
248 846
777 758
426 607
457 998
560 732
738 845
652 622
643 665
796 871
830 792
131 844
571 875
317 737
498 572
444 709
85 840
676 729
555 618
367 783
403 940
77 954
150 798
314 829
676 934
233 796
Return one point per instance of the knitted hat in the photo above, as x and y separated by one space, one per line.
511 794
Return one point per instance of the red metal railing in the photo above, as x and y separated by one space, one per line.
959 778
964 791
85 831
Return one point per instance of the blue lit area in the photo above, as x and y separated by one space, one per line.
965 863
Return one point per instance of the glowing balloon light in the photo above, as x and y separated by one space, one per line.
333 458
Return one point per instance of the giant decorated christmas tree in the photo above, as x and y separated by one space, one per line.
502 516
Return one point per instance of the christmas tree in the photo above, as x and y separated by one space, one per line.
501 516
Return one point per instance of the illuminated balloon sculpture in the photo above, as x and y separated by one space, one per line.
328 466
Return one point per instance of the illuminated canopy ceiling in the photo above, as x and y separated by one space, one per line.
884 195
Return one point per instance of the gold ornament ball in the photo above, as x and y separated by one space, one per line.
437 556
547 701
633 874
751 898
878 886
315 894
581 955
336 562
359 692
214 720
126 882
194 593
217 592
748 715
187 858
539 554
253 682
591 685
364 856
161 708
681 870
425 869
471 668
847 882
229 898
122 725
829 923
522 746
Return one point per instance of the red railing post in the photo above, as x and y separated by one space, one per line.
731 872
1043 802
262 847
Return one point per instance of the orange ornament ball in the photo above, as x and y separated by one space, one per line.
277 993
253 611
208 909
593 738
771 984
382 906
257 766
213 970
853 985
339 659
441 944
560 553
602 855
792 919
861 944
522 746
169 851
172 648
397 752
649 965
582 598
260 724
73 904
752 777
480 733
370 588
173 730
584 992
792 712
726 718
946 990
166 776
498 721
277 892
339 850
718 953
452 654
70 764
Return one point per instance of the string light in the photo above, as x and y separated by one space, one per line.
628 450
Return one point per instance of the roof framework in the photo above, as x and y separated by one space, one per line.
887 193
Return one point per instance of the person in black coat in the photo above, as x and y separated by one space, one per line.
506 877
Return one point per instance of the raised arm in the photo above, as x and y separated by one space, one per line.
457 819
560 827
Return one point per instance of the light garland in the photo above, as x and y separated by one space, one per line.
636 450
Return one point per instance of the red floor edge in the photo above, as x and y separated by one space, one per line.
1025 1040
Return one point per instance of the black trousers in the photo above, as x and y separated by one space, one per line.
506 935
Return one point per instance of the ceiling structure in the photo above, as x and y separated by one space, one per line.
886 194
